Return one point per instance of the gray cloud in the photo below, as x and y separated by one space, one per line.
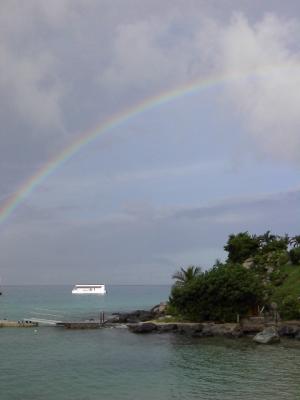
144 246
65 65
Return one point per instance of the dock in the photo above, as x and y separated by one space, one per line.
4 323
80 324
75 324
86 324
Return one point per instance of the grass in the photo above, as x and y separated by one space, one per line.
290 285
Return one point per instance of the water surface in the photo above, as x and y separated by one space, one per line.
57 364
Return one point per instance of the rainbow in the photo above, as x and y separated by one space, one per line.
109 124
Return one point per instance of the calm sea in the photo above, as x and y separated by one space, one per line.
51 363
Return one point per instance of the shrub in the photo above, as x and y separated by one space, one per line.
295 255
219 294
289 307
241 246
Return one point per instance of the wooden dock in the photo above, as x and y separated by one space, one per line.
80 324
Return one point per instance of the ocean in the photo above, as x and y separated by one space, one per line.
111 363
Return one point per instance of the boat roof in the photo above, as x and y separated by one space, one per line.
87 285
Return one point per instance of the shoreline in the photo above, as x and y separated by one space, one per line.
138 322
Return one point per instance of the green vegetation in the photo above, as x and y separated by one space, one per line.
287 294
184 276
261 272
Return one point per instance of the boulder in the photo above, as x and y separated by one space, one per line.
231 330
252 325
289 330
159 309
267 336
189 328
166 327
248 263
132 317
142 327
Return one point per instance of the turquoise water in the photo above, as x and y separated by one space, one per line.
58 303
52 363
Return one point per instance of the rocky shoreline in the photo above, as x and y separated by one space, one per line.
261 330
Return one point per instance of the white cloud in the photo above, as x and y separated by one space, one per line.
268 99
157 53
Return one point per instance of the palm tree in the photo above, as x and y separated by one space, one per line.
184 276
267 237
295 241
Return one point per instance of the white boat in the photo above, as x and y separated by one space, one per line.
89 289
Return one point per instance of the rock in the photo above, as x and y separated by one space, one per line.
252 324
206 331
267 336
231 330
132 317
290 329
248 263
270 269
160 308
142 327
166 327
189 328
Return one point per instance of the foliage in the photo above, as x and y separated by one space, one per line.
184 276
241 246
288 290
272 243
295 241
264 261
295 255
289 307
278 277
219 294
232 288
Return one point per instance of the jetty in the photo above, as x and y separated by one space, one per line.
80 324
4 323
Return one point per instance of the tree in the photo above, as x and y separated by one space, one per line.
295 255
184 276
295 241
241 246
271 243
219 294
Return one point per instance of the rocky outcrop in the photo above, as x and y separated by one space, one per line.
132 317
155 320
142 327
267 336
290 329
160 309
139 315
248 263
166 327
226 330
188 328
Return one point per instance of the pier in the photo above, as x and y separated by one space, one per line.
75 324
4 323
80 324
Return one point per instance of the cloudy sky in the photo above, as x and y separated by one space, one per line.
165 188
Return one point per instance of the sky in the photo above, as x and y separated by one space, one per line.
164 188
